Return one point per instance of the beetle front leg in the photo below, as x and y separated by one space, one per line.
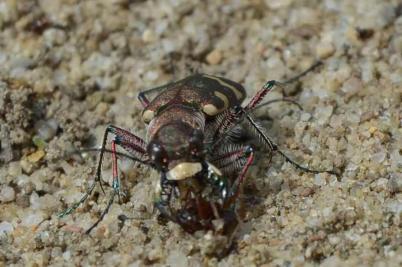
96 180
115 186
128 141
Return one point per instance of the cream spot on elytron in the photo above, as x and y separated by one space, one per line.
148 115
210 110
238 94
223 98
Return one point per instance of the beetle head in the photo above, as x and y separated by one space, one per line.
177 149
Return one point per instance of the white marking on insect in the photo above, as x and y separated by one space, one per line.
238 94
210 109
223 98
148 115
184 170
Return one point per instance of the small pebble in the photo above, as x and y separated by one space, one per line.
275 4
177 258
352 86
214 57
32 218
7 194
323 114
325 50
395 183
36 156
14 169
148 36
379 157
67 255
6 227
26 166
380 184
102 108
155 254
54 37
46 129
319 179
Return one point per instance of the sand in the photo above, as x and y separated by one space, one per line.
69 68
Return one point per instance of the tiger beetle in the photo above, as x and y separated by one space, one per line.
188 142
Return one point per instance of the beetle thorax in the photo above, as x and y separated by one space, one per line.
180 115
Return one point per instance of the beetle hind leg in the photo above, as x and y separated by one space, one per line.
265 139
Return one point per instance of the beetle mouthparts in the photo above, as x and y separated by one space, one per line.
184 170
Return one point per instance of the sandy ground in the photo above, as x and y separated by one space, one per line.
68 68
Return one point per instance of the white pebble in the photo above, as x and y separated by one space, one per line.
6 227
274 4
14 169
352 85
323 114
303 17
396 160
379 157
33 218
319 180
67 255
395 183
46 130
7 194
305 116
394 206
177 258
151 75
148 36
53 37
325 48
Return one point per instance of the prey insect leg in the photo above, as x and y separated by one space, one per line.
163 204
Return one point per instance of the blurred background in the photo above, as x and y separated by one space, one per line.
68 68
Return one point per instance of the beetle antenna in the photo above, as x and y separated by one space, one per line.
297 77
294 102
274 147
121 154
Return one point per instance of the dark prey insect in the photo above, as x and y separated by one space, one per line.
188 141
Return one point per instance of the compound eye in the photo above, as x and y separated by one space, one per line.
158 155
